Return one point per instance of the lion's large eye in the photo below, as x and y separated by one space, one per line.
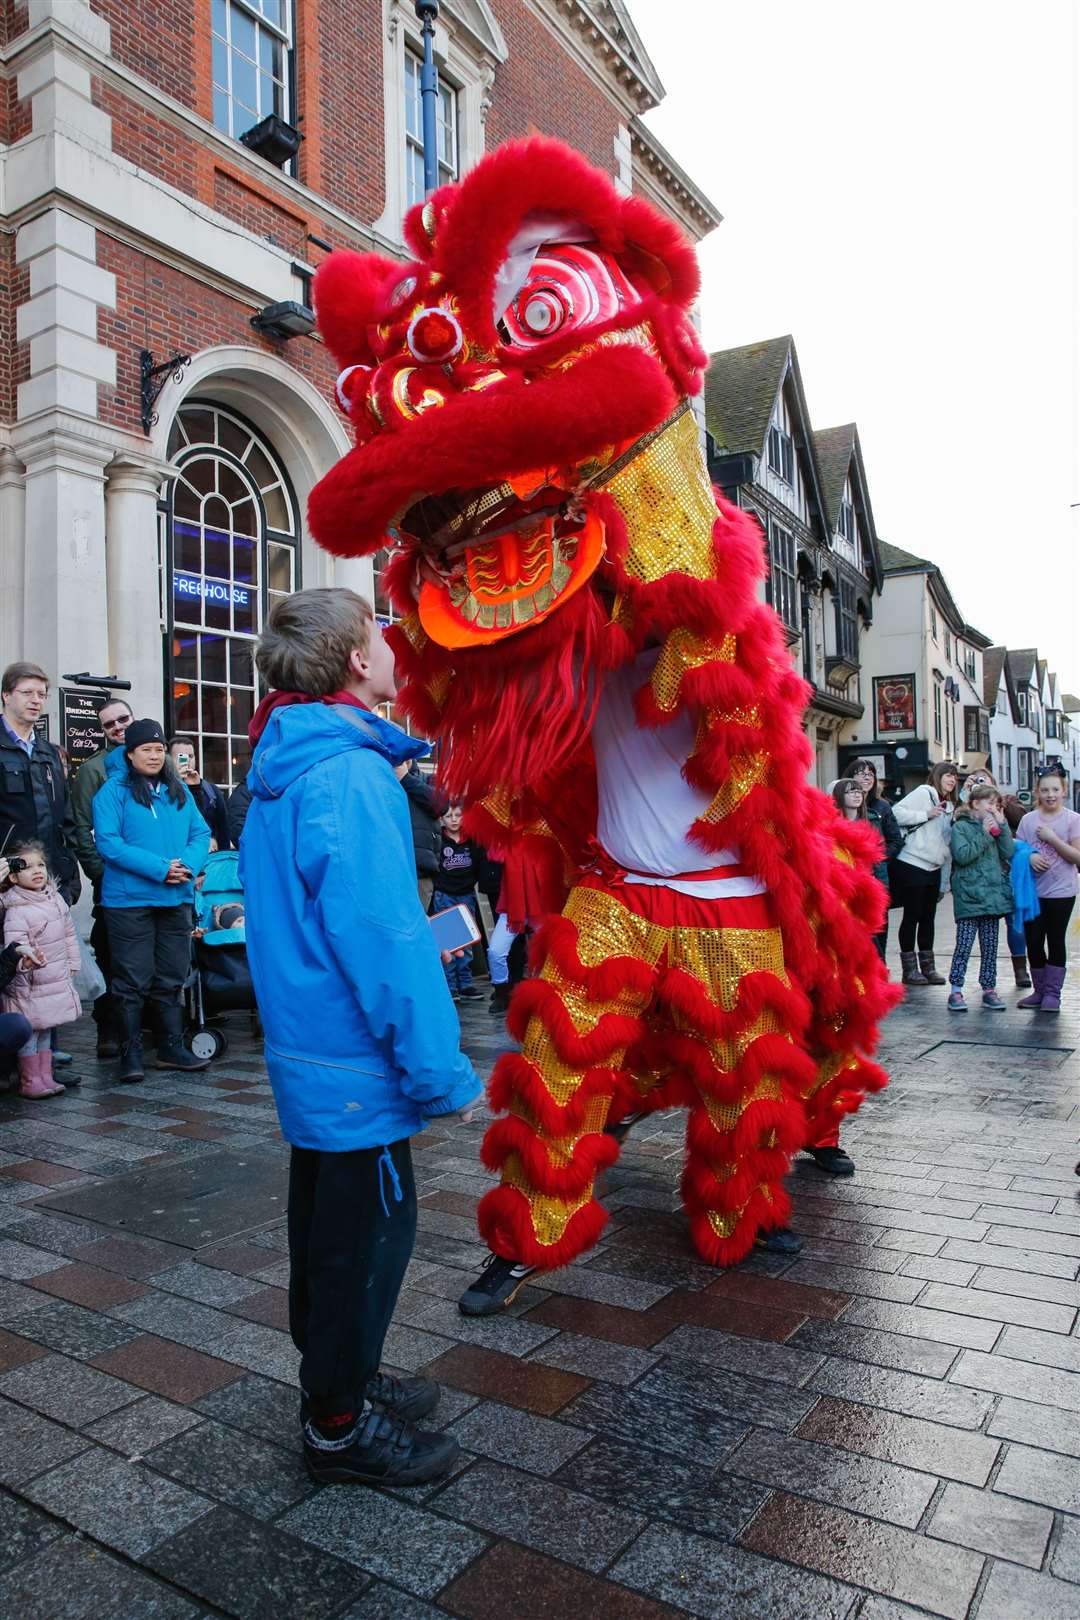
567 287
543 311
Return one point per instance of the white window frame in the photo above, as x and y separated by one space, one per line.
782 447
253 9
784 573
468 48
449 99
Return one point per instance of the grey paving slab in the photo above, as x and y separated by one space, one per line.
506 1435
718 1582
538 1513
1021 1594
253 1570
18 1260
1018 1531
207 1284
74 1331
260 1406
199 1201
593 1358
400 1543
24 1531
239 1469
67 1390
32 1444
120 1503
76 1580
140 1427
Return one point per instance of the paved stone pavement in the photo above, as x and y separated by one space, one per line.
887 1427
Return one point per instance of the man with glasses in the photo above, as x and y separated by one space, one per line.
114 716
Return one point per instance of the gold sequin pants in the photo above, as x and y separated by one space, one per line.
646 999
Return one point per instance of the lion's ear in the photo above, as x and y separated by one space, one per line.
346 288
657 252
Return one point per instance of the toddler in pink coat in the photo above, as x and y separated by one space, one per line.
35 915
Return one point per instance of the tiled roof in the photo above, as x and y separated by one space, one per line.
1022 663
1070 704
993 660
740 392
893 558
834 447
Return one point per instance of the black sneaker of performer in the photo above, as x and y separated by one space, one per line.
833 1160
497 1286
622 1127
377 1448
470 993
779 1240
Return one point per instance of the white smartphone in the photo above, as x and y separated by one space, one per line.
454 929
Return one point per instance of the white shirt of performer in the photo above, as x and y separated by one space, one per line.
646 805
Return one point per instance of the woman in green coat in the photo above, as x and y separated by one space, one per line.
982 849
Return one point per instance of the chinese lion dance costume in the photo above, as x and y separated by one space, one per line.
581 630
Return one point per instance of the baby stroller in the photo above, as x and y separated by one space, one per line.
220 980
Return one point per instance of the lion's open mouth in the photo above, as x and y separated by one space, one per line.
499 559
447 525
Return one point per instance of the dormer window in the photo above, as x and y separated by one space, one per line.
782 455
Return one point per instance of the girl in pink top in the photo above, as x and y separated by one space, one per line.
1053 831
36 916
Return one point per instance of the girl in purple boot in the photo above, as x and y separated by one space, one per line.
1053 831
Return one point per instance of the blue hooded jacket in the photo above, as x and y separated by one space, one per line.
138 843
362 1038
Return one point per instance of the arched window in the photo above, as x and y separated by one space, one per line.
232 547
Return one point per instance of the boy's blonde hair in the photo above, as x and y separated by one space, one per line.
309 638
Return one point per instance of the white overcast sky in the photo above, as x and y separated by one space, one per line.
899 191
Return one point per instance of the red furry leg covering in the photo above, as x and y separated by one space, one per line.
574 1037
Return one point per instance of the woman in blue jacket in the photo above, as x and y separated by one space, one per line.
153 842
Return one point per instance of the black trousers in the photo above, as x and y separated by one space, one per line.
1045 933
104 1006
920 891
150 948
352 1225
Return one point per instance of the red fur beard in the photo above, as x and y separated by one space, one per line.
518 713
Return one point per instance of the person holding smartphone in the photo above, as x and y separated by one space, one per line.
209 800
152 841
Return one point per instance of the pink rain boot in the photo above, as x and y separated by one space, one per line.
1038 979
35 1077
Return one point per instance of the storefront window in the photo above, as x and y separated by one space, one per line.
232 548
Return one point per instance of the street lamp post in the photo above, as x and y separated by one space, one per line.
426 12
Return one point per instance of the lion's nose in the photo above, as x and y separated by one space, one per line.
434 337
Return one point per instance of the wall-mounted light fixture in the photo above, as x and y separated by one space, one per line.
273 139
285 320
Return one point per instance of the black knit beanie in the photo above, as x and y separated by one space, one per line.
142 731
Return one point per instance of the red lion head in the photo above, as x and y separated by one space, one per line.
541 331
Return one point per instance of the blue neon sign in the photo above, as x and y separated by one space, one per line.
210 590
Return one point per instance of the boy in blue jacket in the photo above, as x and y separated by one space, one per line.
361 1034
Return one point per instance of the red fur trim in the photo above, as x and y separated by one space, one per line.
514 1077
537 998
760 1214
558 939
505 1222
513 1135
480 438
757 993
345 287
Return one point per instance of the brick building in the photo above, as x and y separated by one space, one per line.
156 198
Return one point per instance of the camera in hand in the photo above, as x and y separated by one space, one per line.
17 863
